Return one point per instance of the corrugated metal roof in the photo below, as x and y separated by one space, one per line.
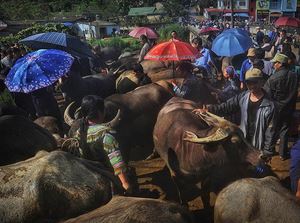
144 11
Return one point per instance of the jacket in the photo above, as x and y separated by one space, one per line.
265 124
282 87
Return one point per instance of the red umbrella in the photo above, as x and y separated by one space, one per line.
208 29
138 31
287 21
172 50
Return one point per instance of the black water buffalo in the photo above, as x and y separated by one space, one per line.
11 110
203 149
76 87
131 209
139 109
52 186
256 200
21 139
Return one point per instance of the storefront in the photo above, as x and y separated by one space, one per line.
262 10
298 10
289 7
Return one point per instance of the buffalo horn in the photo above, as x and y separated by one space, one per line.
68 119
218 135
115 121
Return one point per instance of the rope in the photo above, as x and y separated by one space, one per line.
71 145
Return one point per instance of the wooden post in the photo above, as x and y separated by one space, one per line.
231 5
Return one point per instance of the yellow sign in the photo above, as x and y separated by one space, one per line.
262 4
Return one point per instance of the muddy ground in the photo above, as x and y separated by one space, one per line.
155 182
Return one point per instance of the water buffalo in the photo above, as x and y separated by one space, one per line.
76 87
139 109
52 186
11 110
257 200
21 139
52 125
201 149
130 209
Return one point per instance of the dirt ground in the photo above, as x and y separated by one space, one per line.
155 182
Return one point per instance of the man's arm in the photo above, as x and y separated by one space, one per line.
227 108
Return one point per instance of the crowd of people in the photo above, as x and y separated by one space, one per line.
258 91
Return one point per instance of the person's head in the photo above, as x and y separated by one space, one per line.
259 64
97 49
257 28
254 80
143 39
197 43
174 34
92 108
259 53
184 68
286 47
251 54
280 60
266 39
16 53
291 57
283 33
229 72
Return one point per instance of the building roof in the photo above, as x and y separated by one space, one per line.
100 23
224 10
144 11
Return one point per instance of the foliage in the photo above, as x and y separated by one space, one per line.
37 28
165 32
125 44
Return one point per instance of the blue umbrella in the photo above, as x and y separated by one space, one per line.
37 70
232 42
60 41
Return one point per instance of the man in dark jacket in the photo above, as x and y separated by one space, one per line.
282 87
258 113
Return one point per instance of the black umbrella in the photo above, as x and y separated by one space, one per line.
61 41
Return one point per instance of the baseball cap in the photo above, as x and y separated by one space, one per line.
253 74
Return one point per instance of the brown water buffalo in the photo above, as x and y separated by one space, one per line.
52 186
256 200
21 139
151 66
201 149
131 209
139 109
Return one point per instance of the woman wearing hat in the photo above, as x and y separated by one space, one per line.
258 113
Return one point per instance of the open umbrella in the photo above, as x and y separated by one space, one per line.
172 51
138 31
231 42
207 30
287 21
60 41
38 69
